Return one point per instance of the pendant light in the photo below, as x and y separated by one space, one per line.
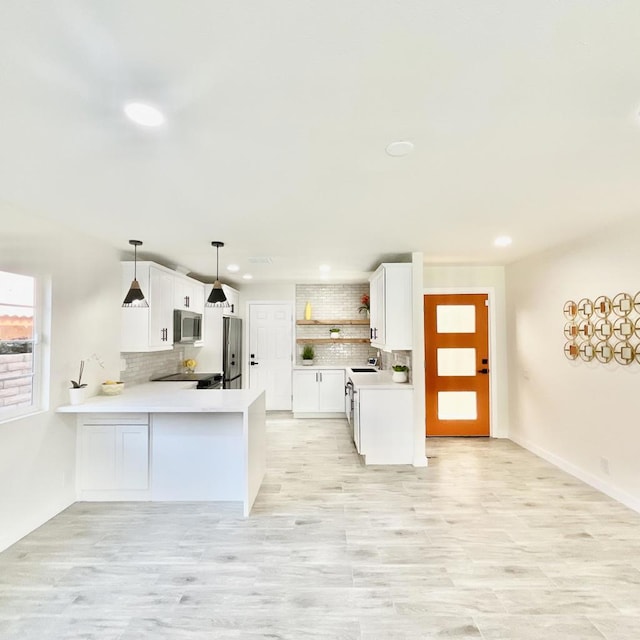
216 297
135 297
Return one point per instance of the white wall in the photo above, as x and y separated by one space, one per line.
37 453
274 292
575 414
491 279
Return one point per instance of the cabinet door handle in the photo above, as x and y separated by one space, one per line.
186 301
233 306
485 371
371 332
320 374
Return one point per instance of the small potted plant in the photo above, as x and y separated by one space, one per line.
308 355
334 333
399 373
77 391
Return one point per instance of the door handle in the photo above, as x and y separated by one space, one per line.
253 364
483 371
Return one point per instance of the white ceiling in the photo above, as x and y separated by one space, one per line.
523 114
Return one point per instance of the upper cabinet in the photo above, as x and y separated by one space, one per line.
188 294
391 308
148 328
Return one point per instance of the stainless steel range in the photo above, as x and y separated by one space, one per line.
204 380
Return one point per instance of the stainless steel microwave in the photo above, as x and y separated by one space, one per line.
187 327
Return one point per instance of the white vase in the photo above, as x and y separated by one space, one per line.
307 363
77 395
399 376
334 335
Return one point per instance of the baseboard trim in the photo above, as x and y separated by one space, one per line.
593 481
11 537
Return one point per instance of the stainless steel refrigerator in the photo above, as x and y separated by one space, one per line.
232 353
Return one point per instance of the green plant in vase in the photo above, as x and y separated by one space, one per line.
399 373
308 354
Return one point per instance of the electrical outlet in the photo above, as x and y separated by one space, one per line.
604 465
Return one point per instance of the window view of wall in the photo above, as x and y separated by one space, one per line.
17 302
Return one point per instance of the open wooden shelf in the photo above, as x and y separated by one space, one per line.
334 322
331 340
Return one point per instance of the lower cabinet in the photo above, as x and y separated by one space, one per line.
383 425
318 393
113 457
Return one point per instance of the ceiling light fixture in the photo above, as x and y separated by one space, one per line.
502 241
216 297
135 297
233 268
144 114
400 148
247 276
324 268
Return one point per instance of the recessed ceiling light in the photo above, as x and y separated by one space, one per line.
325 268
502 241
247 276
400 148
233 268
144 114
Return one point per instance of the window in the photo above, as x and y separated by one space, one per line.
19 353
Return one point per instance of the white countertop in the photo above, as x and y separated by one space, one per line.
320 367
168 397
378 380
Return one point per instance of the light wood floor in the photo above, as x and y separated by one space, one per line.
489 543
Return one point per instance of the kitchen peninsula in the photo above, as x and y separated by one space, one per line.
168 441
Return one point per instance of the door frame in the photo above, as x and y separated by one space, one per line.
493 334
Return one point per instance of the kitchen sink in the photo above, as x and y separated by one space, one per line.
364 370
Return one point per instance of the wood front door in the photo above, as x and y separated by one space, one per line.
456 337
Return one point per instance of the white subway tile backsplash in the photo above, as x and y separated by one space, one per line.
333 302
142 367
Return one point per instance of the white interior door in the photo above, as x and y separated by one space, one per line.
270 352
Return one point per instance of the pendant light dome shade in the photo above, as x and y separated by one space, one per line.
217 298
135 297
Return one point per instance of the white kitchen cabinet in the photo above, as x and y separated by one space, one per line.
188 294
318 393
148 328
383 425
391 307
113 457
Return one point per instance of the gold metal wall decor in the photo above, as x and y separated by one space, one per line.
604 330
